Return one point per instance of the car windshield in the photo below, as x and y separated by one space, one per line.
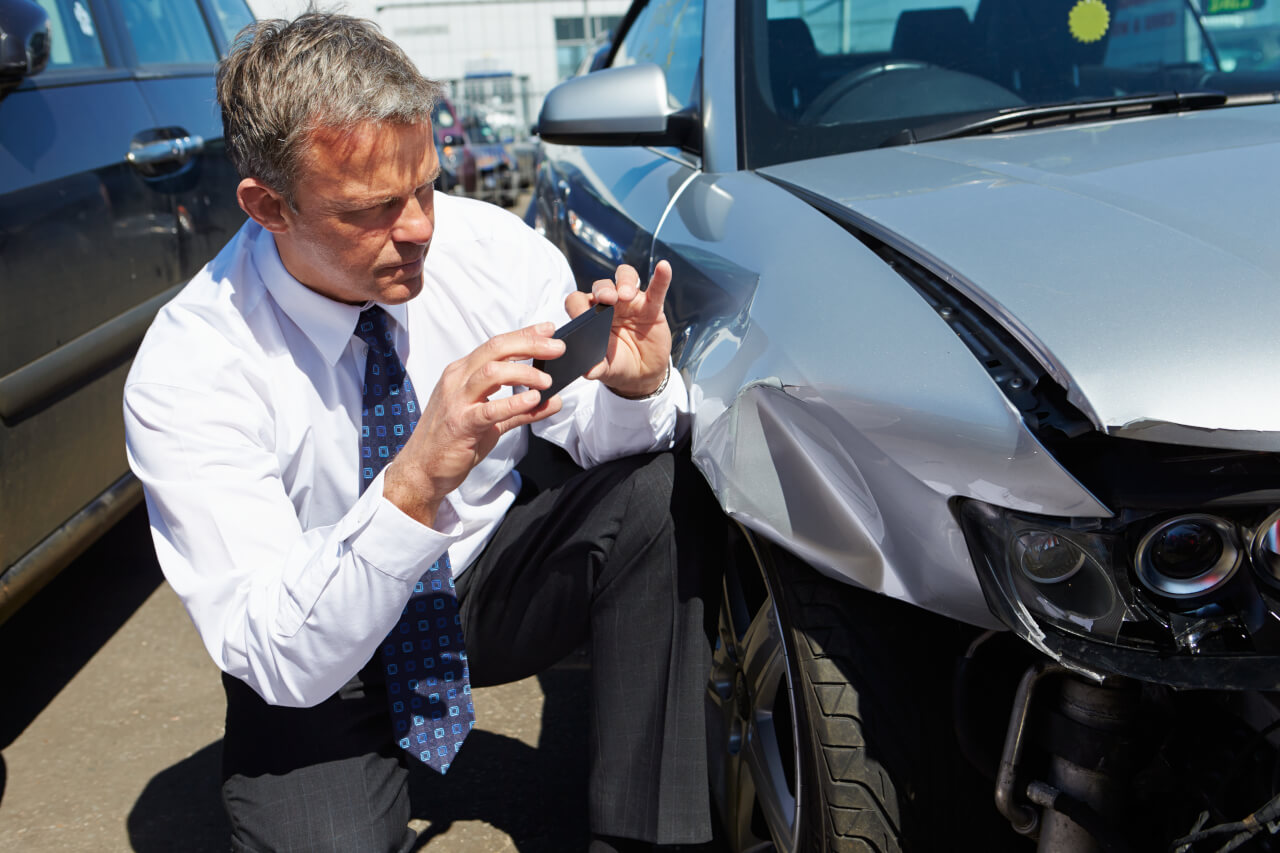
828 76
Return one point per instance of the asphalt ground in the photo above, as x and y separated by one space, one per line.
112 716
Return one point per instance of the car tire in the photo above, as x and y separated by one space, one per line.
842 700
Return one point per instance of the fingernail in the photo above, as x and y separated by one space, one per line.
545 328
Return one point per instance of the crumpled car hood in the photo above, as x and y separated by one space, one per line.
1139 260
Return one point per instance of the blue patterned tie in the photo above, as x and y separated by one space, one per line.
428 680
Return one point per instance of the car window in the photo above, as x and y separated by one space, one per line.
73 35
668 33
168 31
230 17
823 78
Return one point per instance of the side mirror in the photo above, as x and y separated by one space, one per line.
616 106
24 42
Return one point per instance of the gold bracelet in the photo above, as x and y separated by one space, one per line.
653 393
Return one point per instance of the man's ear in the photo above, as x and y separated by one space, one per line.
263 204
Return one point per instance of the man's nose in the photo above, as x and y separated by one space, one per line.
414 224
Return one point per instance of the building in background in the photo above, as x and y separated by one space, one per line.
498 57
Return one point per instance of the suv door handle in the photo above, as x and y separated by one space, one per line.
150 157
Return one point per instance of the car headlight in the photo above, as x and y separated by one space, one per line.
1187 556
1182 592
594 237
1266 548
449 158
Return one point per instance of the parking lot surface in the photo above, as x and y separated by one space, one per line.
112 714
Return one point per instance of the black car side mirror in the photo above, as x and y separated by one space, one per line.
24 42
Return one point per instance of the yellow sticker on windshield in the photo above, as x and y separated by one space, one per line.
1088 21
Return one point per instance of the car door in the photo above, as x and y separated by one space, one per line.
602 205
175 45
84 239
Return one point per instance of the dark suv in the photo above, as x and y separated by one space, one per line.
114 190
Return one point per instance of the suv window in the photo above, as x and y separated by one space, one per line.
73 35
168 31
669 34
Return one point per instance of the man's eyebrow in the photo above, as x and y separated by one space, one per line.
363 203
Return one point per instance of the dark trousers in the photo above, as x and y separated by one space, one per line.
619 557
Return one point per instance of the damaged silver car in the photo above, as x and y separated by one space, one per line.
974 301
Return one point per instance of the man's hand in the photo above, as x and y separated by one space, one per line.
460 424
640 341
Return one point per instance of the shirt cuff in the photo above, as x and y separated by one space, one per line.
647 414
395 543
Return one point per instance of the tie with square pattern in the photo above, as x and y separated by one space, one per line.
428 680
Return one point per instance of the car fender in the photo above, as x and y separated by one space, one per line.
833 411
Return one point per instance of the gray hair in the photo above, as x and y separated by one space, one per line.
284 80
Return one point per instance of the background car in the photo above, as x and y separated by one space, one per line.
497 178
457 157
114 189
970 300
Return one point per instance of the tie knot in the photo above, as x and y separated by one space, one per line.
374 328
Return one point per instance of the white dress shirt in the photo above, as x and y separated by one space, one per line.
243 415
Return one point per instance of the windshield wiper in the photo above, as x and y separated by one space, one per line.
1015 118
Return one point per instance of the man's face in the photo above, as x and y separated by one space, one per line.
364 213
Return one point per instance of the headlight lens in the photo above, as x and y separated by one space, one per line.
1048 557
1187 556
1266 548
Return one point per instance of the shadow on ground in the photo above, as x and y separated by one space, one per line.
47 642
537 796
181 808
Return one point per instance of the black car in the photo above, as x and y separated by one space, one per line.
114 189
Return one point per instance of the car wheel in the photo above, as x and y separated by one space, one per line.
830 718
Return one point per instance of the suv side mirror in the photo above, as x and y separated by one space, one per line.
616 106
24 42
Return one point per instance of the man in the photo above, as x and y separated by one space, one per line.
326 421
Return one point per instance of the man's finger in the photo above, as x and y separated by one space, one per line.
628 282
656 294
604 292
533 415
494 375
530 342
490 413
577 302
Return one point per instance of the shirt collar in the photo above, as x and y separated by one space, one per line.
327 323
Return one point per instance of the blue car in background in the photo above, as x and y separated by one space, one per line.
497 178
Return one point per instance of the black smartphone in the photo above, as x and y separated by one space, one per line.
586 339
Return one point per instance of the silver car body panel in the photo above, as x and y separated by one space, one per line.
852 468
719 86
1166 247
612 100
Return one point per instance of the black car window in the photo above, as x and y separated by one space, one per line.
168 31
73 35
668 33
230 17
